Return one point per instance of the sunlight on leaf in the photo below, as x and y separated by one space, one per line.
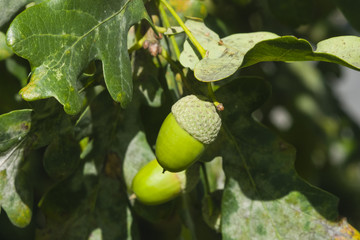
60 38
15 190
263 192
96 234
225 56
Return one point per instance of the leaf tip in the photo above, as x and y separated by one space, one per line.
10 39
22 217
72 108
28 92
123 99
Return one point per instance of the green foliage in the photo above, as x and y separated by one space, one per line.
59 52
97 80
16 195
253 156
236 51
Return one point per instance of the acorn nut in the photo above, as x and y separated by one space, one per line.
151 186
185 133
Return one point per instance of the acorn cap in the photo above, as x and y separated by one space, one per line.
198 117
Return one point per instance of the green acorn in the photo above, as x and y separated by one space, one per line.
185 133
151 186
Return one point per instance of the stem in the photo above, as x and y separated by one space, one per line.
187 216
207 185
160 29
207 188
187 31
166 56
172 37
217 104
137 45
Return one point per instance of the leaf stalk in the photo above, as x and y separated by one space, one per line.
219 106
172 38
201 50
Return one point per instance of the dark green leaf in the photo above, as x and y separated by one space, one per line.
16 194
113 127
49 122
225 56
61 157
94 202
264 198
84 205
156 213
14 126
59 49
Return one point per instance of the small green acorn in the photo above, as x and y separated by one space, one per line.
185 133
151 186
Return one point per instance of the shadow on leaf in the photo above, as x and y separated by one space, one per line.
259 166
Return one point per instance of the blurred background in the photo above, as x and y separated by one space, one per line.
315 106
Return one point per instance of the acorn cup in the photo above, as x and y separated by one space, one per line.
152 187
186 132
